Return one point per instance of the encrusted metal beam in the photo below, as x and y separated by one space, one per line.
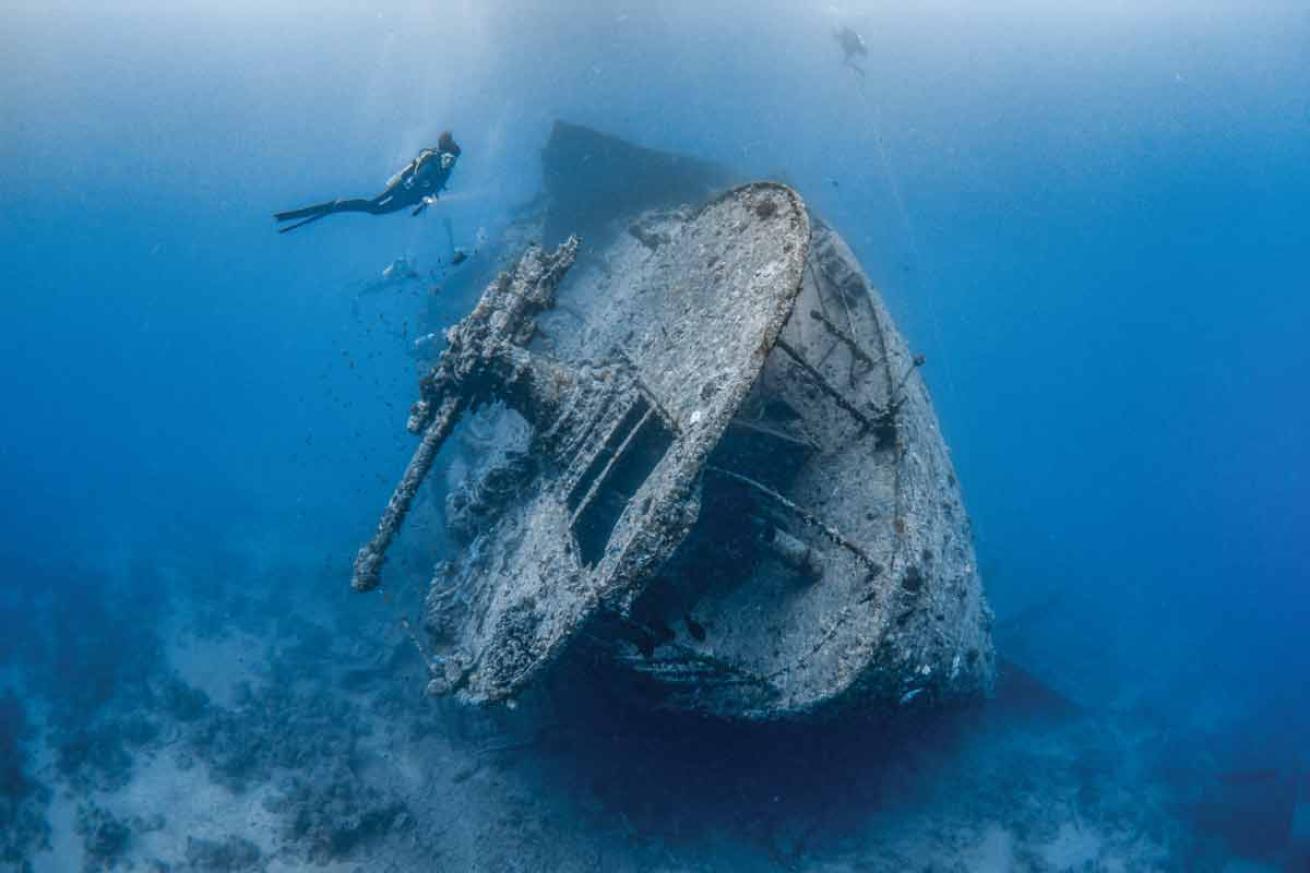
827 387
368 561
804 515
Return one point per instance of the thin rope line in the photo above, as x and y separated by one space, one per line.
923 285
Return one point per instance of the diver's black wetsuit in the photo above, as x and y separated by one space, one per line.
417 185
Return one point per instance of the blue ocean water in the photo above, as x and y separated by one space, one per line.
1092 220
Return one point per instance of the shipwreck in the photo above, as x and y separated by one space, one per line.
716 462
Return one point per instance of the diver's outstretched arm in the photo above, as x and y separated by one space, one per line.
424 204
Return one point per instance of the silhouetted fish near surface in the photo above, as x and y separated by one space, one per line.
853 46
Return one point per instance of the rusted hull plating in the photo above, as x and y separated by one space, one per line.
833 561
734 481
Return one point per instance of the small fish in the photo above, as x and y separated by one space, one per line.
426 343
394 276
399 270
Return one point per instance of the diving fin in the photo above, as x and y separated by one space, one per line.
309 220
318 209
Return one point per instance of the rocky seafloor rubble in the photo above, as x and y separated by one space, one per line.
236 728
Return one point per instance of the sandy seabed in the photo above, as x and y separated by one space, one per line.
271 721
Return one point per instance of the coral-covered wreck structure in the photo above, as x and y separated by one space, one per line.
718 464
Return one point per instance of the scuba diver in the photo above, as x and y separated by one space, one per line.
853 45
417 186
